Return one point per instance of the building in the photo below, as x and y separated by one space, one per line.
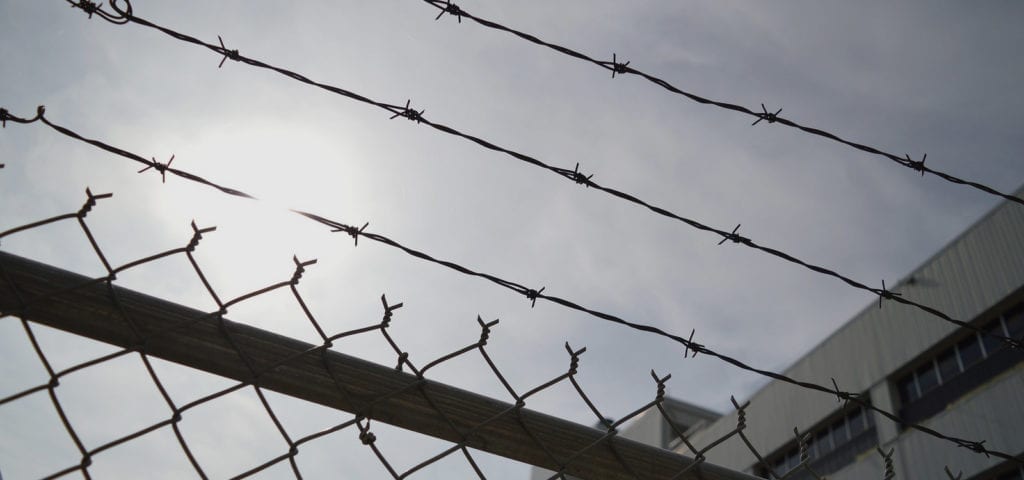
905 361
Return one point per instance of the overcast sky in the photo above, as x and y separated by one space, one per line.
914 77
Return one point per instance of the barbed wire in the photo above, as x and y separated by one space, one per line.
573 175
622 68
533 294
153 327
32 291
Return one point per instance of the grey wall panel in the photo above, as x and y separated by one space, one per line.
969 277
994 413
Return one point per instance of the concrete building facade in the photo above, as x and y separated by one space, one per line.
908 362
905 361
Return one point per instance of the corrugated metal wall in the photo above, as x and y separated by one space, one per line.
968 278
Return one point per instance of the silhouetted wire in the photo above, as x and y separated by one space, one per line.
533 295
37 309
573 175
623 68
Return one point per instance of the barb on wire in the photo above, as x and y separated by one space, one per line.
767 116
917 164
352 231
616 66
691 345
161 168
232 54
407 112
451 9
884 293
580 178
412 114
533 295
733 236
949 473
974 446
760 115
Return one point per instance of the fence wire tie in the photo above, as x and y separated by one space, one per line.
300 268
801 441
388 310
950 474
532 295
197 235
159 167
408 112
766 115
365 435
741 413
232 54
485 330
91 202
691 345
574 358
733 236
890 470
616 67
4 115
403 358
660 395
451 9
886 294
580 178
352 231
917 164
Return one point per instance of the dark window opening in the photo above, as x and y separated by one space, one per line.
949 367
942 378
970 351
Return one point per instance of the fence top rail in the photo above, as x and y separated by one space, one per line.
86 307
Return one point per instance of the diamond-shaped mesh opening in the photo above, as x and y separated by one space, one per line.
231 434
111 399
33 441
20 366
156 455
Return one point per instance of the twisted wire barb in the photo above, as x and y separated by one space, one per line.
622 68
572 175
533 295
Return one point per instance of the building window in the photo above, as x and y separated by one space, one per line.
830 446
940 379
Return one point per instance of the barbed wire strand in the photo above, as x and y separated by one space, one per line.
533 295
621 68
573 175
